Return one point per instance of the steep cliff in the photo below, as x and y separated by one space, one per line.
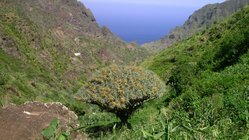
198 21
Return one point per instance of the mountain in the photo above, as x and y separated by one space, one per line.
207 75
53 46
198 21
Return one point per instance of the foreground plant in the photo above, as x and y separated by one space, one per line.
52 132
122 89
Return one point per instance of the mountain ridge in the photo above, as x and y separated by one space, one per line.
198 21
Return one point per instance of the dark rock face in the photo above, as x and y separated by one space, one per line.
26 122
198 21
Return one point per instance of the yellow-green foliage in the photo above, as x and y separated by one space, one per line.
122 87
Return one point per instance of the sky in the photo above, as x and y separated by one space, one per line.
143 20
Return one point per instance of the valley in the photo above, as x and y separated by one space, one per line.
192 84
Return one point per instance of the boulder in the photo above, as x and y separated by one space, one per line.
26 122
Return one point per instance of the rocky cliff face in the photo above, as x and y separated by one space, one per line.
69 16
198 21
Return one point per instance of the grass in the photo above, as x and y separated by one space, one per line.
208 76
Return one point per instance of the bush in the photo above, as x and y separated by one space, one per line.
3 78
122 89
181 77
231 49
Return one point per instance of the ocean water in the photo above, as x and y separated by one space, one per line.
141 22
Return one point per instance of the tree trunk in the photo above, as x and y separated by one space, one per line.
124 116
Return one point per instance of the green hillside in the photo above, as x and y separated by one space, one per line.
47 52
208 78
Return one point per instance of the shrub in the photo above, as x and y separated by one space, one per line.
3 78
181 77
122 89
231 49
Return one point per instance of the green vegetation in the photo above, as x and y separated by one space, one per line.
36 64
206 77
207 90
122 89
52 132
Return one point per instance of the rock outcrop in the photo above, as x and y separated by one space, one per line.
26 122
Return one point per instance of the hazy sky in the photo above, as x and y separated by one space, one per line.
143 20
